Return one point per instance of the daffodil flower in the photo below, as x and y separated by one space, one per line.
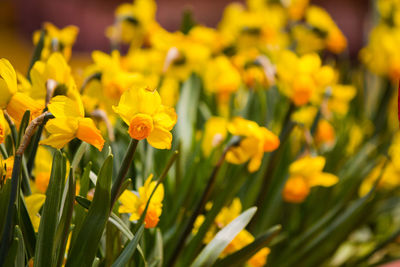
304 174
69 122
255 141
16 103
135 203
57 40
147 118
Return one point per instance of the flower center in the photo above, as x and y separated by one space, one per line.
141 126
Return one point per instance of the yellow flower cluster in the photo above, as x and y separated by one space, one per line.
382 55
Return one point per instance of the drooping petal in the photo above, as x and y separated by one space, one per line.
88 132
323 179
160 138
57 140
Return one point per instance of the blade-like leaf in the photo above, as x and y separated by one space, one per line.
127 253
211 252
44 253
83 250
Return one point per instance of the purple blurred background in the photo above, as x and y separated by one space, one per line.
93 16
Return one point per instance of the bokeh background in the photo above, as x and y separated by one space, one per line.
20 18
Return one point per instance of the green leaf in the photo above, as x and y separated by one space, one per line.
239 257
36 53
20 256
65 220
27 229
83 250
80 212
127 253
44 253
185 126
156 258
22 127
211 252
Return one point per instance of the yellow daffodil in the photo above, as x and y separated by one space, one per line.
215 132
303 79
340 98
135 203
224 217
305 173
334 39
147 118
133 22
34 203
221 78
16 103
69 122
57 40
114 78
52 77
255 141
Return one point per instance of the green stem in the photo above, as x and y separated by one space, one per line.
273 161
36 53
126 163
3 151
199 208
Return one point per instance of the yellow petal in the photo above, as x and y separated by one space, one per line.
62 106
33 203
323 179
166 117
88 132
8 82
160 138
129 202
307 165
57 140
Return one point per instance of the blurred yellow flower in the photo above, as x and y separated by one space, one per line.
334 39
325 133
147 118
56 40
51 77
69 122
303 79
224 217
133 22
215 132
255 141
305 173
34 203
135 203
340 98
221 78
